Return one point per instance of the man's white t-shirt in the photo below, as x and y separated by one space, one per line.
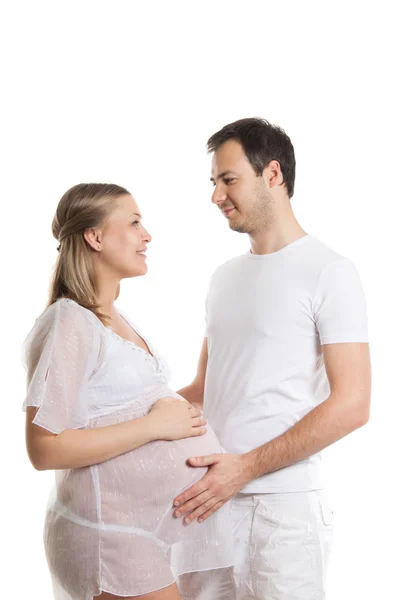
267 317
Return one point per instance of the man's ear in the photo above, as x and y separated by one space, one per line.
272 174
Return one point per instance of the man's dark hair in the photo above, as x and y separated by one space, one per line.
261 142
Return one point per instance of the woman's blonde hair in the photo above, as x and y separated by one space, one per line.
82 207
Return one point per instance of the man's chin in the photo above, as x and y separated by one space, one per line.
238 227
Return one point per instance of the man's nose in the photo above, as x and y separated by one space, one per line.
219 195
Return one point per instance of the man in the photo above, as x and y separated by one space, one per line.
284 371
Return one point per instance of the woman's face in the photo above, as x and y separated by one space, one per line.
124 240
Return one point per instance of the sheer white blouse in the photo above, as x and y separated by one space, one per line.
110 527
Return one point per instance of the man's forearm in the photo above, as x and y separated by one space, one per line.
193 394
324 425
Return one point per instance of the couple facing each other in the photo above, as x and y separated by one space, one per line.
152 499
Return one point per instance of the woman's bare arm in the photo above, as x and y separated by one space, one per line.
72 448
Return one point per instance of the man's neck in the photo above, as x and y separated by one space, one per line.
267 242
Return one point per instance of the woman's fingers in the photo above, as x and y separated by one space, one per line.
199 430
195 412
198 421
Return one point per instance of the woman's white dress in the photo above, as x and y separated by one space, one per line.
110 526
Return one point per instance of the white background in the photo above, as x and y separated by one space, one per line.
129 92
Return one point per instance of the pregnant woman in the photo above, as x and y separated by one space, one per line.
100 413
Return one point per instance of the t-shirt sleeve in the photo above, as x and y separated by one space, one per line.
340 311
206 309
59 356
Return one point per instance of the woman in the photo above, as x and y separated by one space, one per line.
99 412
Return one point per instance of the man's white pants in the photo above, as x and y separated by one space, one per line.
283 543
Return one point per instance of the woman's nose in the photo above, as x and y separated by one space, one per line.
146 236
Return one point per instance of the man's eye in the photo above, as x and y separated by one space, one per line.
136 223
228 180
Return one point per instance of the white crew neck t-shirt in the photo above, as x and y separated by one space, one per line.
267 317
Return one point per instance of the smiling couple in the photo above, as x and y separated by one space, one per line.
283 372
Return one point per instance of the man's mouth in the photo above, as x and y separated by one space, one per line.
227 211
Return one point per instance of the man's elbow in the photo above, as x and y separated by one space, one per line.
361 412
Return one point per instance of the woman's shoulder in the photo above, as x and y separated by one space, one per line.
65 313
64 319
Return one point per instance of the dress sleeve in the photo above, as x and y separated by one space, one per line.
59 356
340 311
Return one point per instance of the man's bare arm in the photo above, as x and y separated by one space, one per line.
346 409
194 392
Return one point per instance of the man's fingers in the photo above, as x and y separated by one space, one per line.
204 461
183 507
192 492
201 509
214 509
193 503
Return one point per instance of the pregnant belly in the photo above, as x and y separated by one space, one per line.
147 480
136 490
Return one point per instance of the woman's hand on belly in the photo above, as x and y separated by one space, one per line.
174 419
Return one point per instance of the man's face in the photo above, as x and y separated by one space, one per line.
241 195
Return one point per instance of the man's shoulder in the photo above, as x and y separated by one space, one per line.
315 257
308 261
229 266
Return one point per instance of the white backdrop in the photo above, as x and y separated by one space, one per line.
129 92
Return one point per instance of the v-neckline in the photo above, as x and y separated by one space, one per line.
149 352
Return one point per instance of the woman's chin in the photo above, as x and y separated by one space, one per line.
139 271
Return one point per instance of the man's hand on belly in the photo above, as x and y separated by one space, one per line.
226 476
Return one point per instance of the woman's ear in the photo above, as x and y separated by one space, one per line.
93 238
